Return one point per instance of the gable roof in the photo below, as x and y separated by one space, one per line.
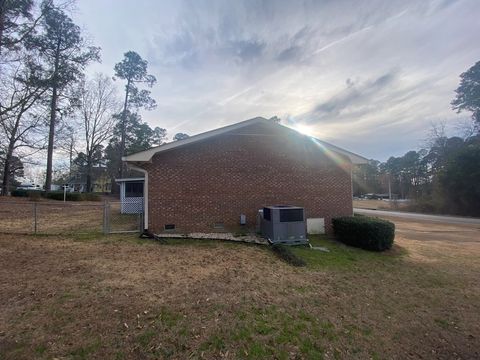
146 155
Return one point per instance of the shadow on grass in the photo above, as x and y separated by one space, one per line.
286 254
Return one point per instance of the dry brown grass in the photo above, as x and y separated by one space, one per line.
56 217
119 297
381 205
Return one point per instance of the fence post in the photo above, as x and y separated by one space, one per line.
142 217
34 217
140 225
105 218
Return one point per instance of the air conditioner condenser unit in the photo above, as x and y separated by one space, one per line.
284 224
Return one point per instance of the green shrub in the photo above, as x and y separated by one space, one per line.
35 195
19 193
58 195
284 253
364 232
55 195
31 194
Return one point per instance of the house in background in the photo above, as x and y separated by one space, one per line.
101 181
131 195
208 181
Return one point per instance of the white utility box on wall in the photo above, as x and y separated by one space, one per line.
316 226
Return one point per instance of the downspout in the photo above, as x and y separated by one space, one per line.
145 194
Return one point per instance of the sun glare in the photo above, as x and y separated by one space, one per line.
304 129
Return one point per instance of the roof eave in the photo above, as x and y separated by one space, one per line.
130 179
147 155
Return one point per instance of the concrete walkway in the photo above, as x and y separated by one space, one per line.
417 216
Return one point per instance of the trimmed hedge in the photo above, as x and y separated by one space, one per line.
58 195
364 232
32 194
19 193
55 195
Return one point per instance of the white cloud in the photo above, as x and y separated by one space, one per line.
367 76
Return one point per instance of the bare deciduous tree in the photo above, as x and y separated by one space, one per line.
98 103
20 120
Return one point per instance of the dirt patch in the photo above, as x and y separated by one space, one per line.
119 297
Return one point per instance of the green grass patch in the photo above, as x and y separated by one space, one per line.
41 349
168 318
85 352
272 332
442 323
286 254
311 349
145 338
341 256
214 343
258 350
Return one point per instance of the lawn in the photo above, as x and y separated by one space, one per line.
91 296
382 205
19 215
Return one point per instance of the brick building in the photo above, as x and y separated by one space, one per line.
205 182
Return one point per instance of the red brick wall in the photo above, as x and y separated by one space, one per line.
216 180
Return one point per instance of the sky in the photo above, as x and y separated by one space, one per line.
368 76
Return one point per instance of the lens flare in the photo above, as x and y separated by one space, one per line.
304 129
333 155
326 148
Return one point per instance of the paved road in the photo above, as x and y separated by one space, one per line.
416 216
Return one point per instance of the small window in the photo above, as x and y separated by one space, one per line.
133 189
169 226
288 215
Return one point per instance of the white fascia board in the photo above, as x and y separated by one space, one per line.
354 158
129 179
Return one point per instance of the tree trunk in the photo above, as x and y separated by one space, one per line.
122 141
9 154
51 137
8 160
6 173
3 6
53 119
89 176
114 188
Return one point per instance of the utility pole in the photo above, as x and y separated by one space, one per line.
389 188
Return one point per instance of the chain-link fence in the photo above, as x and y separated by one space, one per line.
30 217
119 218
